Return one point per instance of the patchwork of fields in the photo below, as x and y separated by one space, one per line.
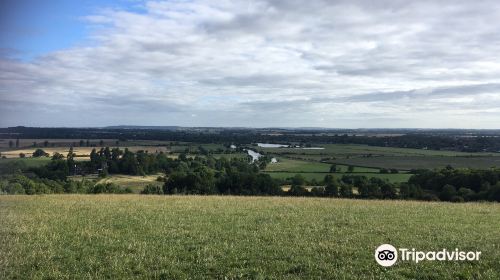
368 160
310 163
179 237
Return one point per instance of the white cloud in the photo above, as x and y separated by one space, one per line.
269 63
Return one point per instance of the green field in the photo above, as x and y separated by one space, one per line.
290 165
394 178
370 159
179 237
409 162
354 149
287 168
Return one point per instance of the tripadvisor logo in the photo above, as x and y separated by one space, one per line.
387 255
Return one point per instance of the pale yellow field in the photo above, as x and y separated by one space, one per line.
136 183
81 152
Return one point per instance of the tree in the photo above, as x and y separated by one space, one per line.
318 191
101 143
333 168
332 186
346 190
57 156
297 190
11 144
152 189
46 143
82 143
447 193
494 193
350 169
298 180
40 153
17 143
388 191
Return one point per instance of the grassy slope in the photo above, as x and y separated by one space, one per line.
78 236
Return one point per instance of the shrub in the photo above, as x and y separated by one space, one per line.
40 153
457 198
345 190
298 191
108 188
152 189
447 193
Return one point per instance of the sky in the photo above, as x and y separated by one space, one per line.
269 63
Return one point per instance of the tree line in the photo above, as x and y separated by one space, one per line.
446 140
206 175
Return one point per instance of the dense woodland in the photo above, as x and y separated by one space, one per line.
205 175
456 140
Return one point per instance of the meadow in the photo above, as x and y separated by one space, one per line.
206 237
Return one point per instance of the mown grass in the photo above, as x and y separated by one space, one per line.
180 237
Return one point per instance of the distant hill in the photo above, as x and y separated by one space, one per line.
143 127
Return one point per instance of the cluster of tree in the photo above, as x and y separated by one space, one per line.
449 184
437 140
105 161
219 176
21 184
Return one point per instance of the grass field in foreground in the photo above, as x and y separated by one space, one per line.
177 237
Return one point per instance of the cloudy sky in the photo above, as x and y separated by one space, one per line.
428 64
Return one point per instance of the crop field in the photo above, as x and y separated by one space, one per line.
81 152
200 237
409 162
375 158
136 183
353 150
